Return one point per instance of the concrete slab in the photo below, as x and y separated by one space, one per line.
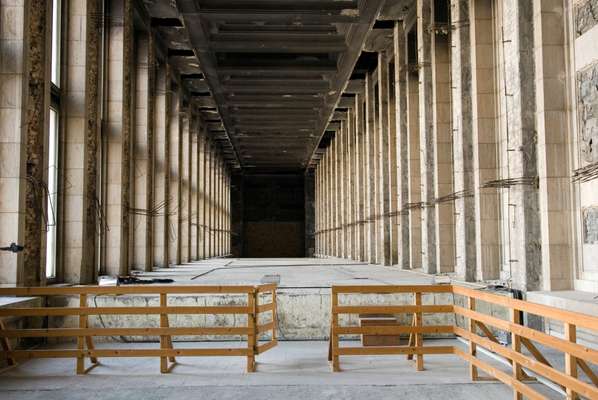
293 370
293 272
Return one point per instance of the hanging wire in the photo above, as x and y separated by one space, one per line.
454 196
41 193
586 174
510 182
102 220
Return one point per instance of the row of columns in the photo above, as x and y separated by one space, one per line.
171 204
142 184
435 165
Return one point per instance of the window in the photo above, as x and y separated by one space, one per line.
53 144
52 194
56 34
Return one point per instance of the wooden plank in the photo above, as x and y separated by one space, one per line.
534 350
392 330
588 371
6 344
65 311
212 352
516 346
265 327
507 379
163 338
570 334
385 350
274 315
252 337
367 309
81 339
333 336
267 346
265 307
128 289
575 349
473 370
419 340
167 331
536 366
270 287
411 341
390 289
578 319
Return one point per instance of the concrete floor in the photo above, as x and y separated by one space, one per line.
293 370
293 272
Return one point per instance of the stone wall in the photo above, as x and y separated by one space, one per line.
586 16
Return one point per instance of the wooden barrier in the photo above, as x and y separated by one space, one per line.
167 352
416 330
479 335
577 356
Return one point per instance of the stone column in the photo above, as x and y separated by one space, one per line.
34 97
193 184
12 139
525 249
119 125
402 142
201 193
237 215
393 162
160 217
340 194
465 232
553 140
485 151
141 156
362 176
414 166
426 134
383 160
79 203
354 184
310 205
185 188
174 170
370 167
206 211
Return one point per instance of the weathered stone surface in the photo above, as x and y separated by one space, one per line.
92 96
590 225
35 135
587 84
586 16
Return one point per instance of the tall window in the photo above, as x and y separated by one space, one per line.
52 194
53 141
56 30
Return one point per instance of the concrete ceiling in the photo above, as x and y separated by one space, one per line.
268 74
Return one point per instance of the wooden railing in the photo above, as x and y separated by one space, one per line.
479 333
415 346
577 356
167 353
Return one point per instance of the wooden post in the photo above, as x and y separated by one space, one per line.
6 345
516 346
334 335
419 339
81 339
251 324
163 338
473 370
411 341
274 315
571 361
